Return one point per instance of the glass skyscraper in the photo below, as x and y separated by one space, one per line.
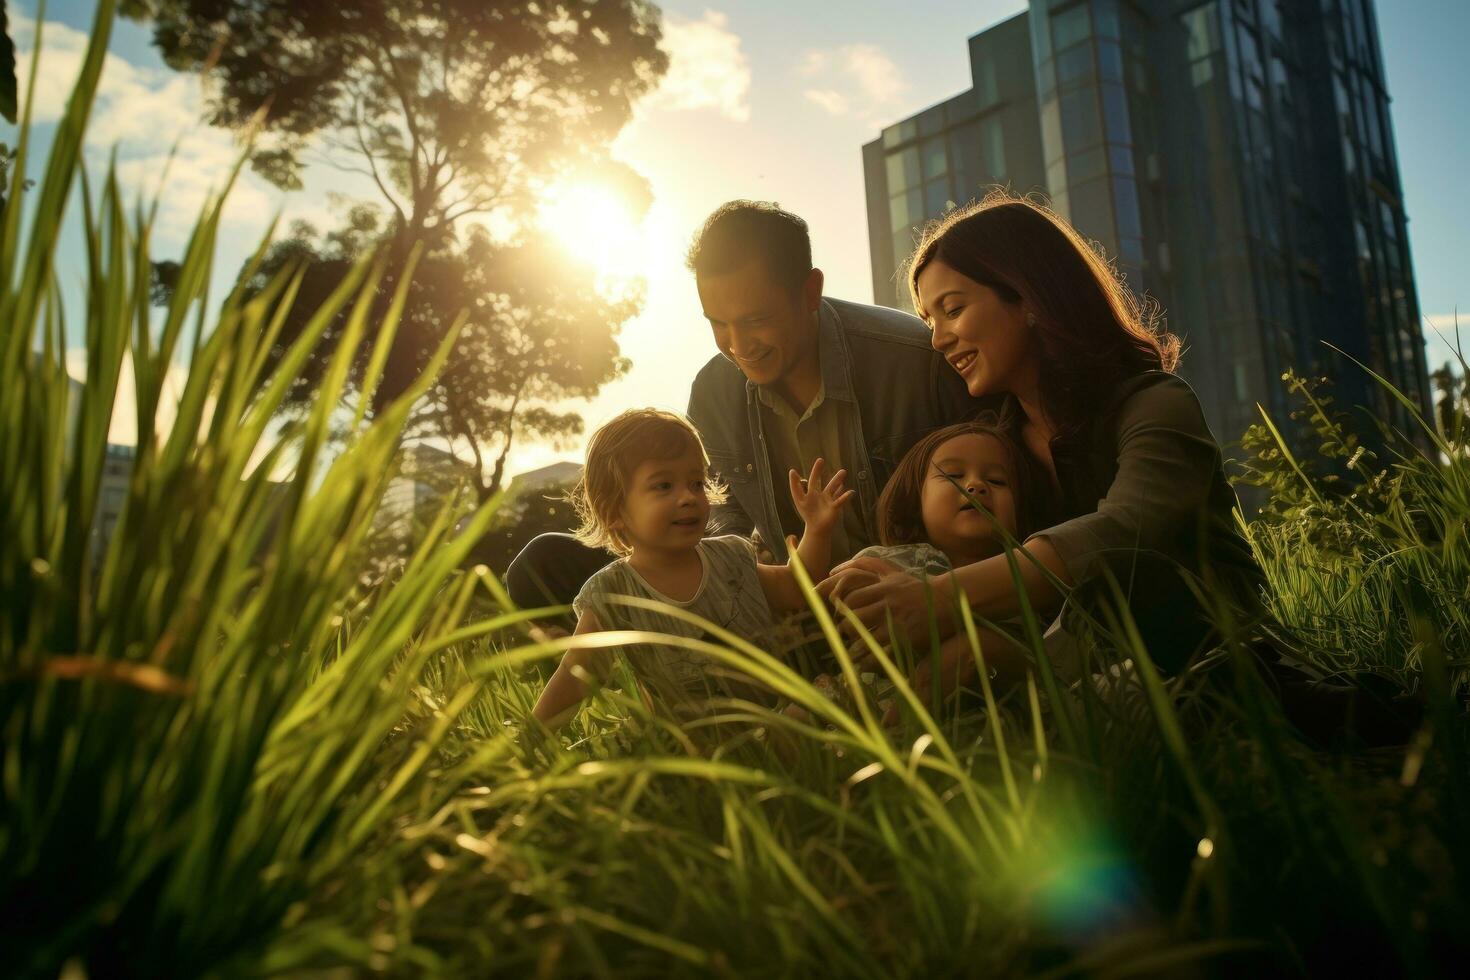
1234 158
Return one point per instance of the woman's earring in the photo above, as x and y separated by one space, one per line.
1030 319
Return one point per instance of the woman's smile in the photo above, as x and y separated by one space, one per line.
962 360
967 318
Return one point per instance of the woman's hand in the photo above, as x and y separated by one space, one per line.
819 505
851 575
876 590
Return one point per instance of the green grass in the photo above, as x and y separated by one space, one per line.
223 754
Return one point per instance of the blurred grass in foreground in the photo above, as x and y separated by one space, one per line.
224 755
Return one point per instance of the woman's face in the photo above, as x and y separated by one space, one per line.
985 338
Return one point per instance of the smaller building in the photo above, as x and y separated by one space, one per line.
427 476
534 503
528 486
952 152
112 496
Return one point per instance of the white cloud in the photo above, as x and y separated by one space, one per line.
123 430
148 115
707 68
833 102
874 72
814 63
1443 332
856 80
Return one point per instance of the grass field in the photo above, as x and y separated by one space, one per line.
226 752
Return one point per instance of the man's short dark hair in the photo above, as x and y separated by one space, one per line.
740 231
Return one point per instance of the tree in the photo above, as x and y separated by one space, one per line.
456 111
538 332
8 106
1451 403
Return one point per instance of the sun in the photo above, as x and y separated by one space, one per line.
597 227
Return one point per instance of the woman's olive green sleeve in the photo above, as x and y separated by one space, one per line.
1169 489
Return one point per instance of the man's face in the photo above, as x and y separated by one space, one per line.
765 328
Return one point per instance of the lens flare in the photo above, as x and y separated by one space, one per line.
598 228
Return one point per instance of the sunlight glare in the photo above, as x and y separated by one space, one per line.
597 227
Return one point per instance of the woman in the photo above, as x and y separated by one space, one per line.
1021 307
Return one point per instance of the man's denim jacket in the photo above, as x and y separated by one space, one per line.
891 386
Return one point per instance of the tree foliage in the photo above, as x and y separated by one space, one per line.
452 107
537 332
458 113
8 106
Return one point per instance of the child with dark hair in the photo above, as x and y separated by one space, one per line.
952 494
645 495
960 495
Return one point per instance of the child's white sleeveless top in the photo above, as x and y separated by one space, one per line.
729 596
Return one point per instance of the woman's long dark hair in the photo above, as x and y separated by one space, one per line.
1092 332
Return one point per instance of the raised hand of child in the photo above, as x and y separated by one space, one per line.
820 505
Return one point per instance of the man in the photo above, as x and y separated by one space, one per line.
797 376
800 376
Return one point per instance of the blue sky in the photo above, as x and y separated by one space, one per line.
770 100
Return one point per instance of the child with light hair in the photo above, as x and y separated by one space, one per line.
645 494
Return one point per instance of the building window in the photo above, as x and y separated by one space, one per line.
1375 131
1056 176
1092 209
1130 252
1120 159
931 121
1115 114
936 197
903 170
1110 61
1203 28
1271 17
1125 202
900 133
985 86
1074 65
1388 223
1086 165
1051 131
906 208
903 247
965 160
992 140
1349 155
1281 82
936 161
1070 27
1081 122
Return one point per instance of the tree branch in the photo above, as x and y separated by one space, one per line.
357 125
